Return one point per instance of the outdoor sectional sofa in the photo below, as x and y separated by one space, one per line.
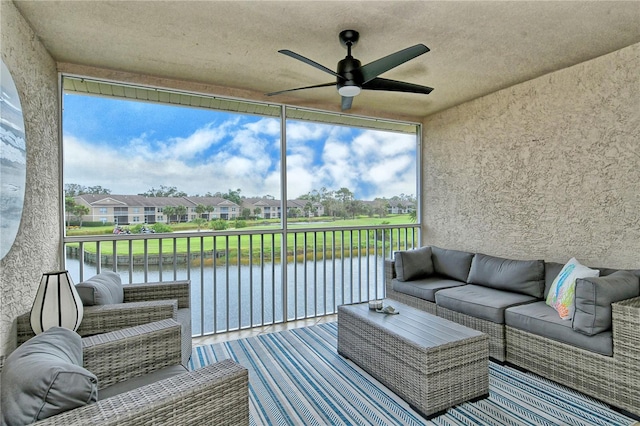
597 352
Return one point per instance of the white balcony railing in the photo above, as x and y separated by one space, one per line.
237 276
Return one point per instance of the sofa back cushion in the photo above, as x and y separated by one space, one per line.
451 263
102 289
44 377
594 297
413 264
519 276
551 271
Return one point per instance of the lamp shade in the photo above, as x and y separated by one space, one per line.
57 303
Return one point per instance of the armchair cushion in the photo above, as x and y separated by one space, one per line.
102 289
45 377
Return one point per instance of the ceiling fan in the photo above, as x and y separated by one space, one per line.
352 77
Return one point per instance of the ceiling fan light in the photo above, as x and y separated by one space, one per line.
349 91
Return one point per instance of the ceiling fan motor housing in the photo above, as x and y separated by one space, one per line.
349 69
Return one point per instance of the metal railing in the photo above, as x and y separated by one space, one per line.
237 276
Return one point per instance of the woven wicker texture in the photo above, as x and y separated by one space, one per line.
390 293
144 303
106 318
431 363
170 290
615 380
612 379
214 395
495 331
120 355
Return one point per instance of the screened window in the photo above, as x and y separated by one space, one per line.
146 149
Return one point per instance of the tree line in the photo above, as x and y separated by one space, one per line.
336 203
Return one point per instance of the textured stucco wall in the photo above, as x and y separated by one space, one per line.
36 248
546 169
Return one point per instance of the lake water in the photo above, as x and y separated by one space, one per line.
237 296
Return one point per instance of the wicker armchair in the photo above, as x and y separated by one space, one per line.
217 394
143 303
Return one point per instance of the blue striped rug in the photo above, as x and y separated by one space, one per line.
297 378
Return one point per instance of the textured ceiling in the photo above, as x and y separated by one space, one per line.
476 47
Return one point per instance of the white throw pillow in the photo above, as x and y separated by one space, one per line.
562 293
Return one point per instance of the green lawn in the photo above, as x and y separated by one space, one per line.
345 242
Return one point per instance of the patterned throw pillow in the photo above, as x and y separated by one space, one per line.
563 289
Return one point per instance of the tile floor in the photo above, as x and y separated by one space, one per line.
241 334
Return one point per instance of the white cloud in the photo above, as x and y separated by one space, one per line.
302 177
232 154
194 144
300 132
266 126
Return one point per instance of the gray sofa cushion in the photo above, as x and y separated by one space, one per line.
413 264
480 302
102 289
541 319
551 271
451 263
44 377
184 319
594 296
520 276
424 288
608 271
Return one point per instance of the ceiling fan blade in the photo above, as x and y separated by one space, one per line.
308 61
377 67
395 86
346 102
333 83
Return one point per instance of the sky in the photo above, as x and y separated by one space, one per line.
130 147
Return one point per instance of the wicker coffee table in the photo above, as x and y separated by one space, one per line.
430 362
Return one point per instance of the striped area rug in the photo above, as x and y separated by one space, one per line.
297 378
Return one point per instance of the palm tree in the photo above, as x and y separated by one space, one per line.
180 211
199 222
210 209
200 209
169 211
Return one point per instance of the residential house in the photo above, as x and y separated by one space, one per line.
400 207
216 208
263 208
134 209
304 208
